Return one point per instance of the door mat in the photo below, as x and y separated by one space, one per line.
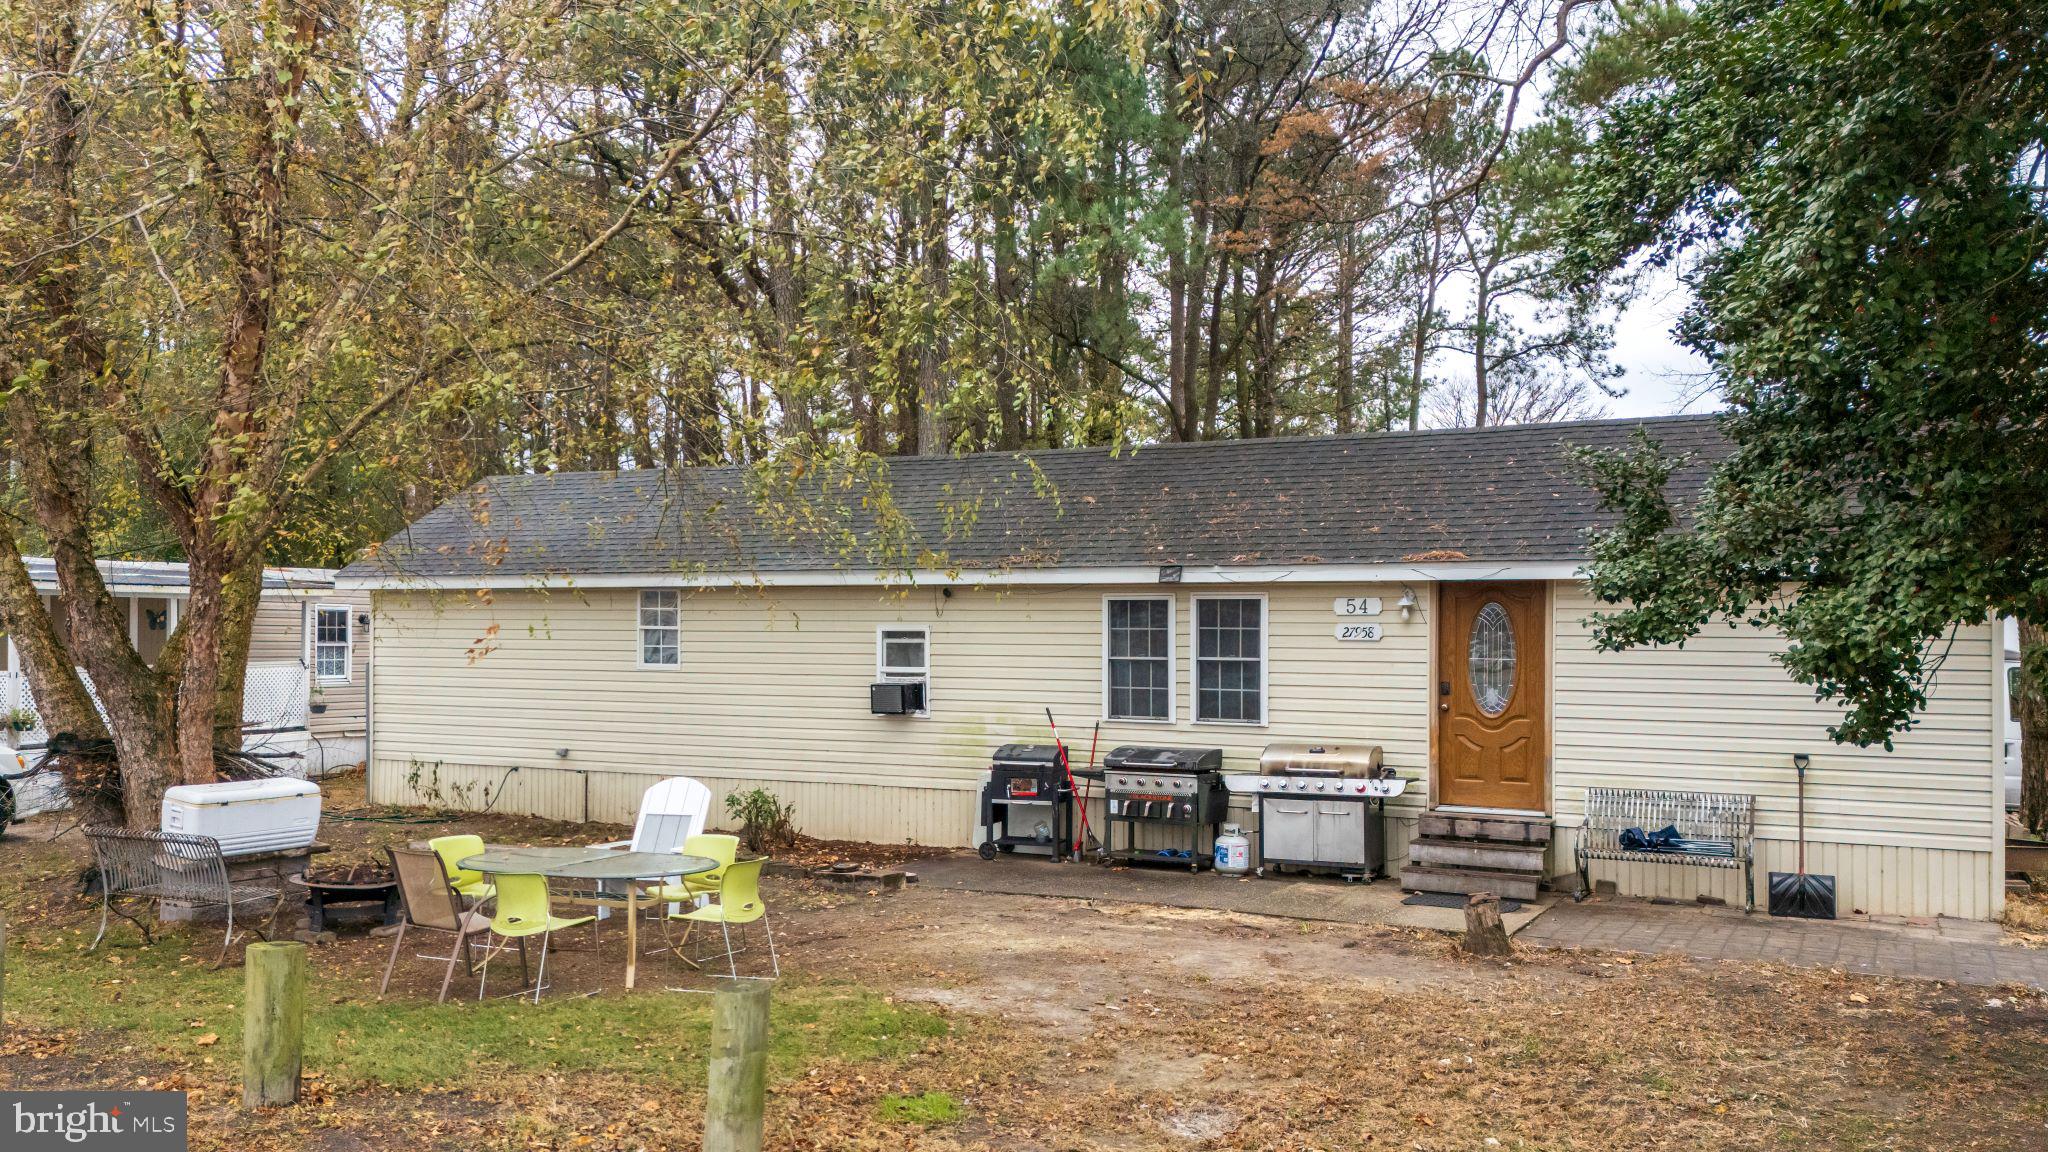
1453 900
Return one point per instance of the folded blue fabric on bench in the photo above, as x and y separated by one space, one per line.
1664 839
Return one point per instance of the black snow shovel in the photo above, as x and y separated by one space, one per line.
1796 893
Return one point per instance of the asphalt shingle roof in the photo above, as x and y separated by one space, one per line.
1480 494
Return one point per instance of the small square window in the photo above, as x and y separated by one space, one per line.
661 628
904 654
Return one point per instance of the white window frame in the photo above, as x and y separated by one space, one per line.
347 646
1195 659
884 672
1172 661
641 628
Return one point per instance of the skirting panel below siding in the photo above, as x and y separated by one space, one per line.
914 815
873 813
1882 880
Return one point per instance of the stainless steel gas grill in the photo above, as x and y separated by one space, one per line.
1169 788
1321 806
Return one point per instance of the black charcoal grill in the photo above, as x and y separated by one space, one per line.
1175 788
1027 803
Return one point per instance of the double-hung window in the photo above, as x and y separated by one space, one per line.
1230 659
1137 654
904 652
661 628
333 643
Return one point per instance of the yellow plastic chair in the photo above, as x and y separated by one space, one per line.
739 904
712 846
467 881
523 911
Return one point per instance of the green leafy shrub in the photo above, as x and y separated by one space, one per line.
763 818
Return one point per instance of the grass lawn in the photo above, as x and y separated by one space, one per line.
168 1003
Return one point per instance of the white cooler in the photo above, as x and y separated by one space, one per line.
246 816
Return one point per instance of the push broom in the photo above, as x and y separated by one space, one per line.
1080 802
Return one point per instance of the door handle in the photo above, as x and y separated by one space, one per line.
1443 689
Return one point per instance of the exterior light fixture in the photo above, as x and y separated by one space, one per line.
1406 604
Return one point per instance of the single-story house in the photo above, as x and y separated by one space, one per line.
551 644
308 672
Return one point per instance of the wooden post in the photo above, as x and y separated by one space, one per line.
738 1081
273 1023
1485 935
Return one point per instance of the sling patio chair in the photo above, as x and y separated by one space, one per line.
432 905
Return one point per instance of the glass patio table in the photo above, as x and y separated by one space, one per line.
631 870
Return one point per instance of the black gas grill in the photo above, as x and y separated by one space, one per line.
1027 803
1176 788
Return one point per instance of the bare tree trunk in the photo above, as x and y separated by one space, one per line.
1482 323
1347 293
2030 705
1009 404
1418 349
92 782
934 430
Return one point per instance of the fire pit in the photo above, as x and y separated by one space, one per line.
351 887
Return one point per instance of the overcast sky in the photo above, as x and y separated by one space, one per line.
1660 375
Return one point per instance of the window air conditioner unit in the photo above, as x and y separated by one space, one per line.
896 697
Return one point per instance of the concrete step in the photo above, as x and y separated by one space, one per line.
1500 829
1484 854
1509 885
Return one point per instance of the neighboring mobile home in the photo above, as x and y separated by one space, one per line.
308 666
551 644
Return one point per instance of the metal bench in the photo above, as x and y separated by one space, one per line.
1716 830
156 866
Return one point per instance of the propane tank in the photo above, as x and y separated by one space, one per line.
1233 851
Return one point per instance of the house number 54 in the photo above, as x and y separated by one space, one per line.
1358 605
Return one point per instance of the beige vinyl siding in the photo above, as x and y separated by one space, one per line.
278 634
347 704
773 690
1906 832
281 635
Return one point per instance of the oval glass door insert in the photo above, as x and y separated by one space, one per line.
1491 664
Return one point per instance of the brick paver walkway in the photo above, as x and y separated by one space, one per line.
1961 951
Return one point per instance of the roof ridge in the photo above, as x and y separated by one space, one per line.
1120 451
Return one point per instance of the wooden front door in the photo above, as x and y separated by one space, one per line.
1493 707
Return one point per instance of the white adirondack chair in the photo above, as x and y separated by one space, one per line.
671 812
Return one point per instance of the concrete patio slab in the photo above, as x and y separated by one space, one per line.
1939 948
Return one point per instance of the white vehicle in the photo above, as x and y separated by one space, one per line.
26 788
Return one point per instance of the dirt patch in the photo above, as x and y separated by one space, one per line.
1064 1026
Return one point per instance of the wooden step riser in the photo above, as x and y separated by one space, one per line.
1494 829
1445 880
1472 854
